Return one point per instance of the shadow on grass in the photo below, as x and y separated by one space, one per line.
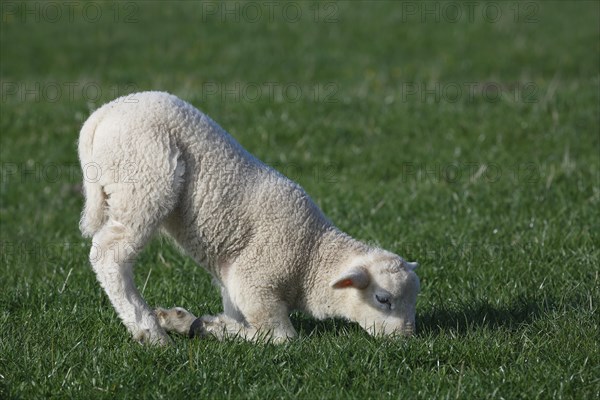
458 318
307 326
463 317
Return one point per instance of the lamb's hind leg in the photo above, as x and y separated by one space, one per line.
113 252
135 210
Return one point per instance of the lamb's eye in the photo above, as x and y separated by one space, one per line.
383 300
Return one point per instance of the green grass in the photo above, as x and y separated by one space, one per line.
496 196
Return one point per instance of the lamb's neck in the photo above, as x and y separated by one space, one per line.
336 249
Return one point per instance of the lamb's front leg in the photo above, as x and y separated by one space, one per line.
222 326
267 320
182 321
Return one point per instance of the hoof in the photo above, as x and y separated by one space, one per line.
198 327
175 319
145 336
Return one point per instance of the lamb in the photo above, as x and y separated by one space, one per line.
151 160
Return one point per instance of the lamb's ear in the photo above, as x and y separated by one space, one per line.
356 277
410 266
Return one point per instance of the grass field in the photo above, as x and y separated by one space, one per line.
464 135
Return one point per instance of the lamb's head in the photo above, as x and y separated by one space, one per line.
379 291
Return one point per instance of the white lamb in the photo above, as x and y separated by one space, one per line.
151 160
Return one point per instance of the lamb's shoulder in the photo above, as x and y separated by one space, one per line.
286 228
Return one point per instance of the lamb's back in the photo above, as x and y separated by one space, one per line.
230 202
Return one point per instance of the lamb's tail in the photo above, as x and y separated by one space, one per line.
93 216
